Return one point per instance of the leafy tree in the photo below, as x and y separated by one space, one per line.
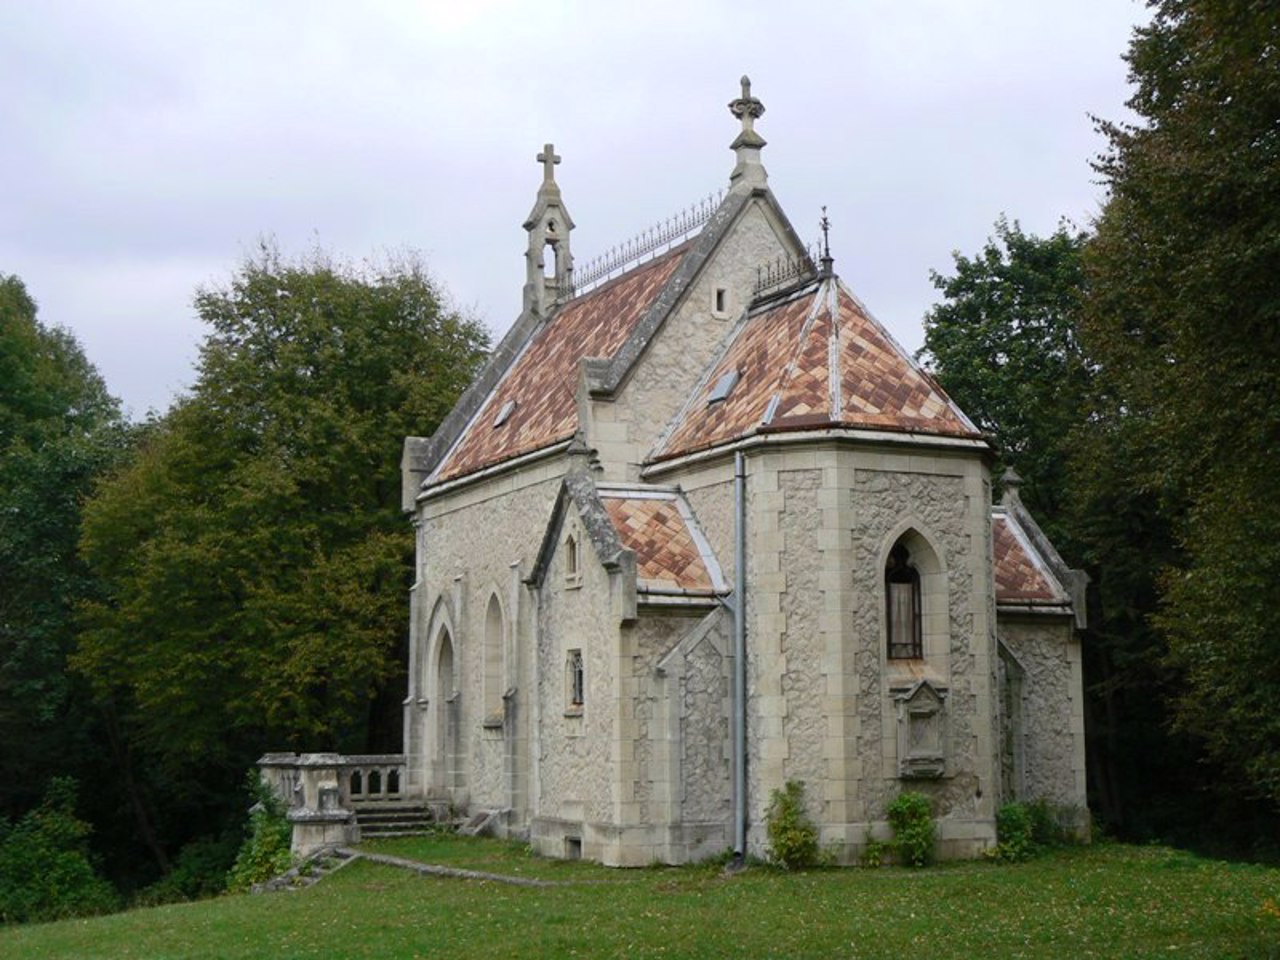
253 559
59 428
1005 345
1184 322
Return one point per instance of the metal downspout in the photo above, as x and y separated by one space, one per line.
739 656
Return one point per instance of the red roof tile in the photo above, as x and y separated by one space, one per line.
668 555
542 379
799 353
1019 578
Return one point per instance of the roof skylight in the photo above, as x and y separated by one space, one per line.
504 413
723 386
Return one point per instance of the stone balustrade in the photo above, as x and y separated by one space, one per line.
322 791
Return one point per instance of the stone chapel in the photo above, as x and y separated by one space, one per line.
701 527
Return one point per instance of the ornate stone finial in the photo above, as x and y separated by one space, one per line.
749 171
827 260
548 158
1011 482
747 108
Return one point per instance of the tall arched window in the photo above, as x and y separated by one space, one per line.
493 643
902 605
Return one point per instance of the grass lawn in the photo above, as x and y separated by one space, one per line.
1103 901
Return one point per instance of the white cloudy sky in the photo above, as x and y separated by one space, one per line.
145 146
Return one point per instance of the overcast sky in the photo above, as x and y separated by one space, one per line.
145 147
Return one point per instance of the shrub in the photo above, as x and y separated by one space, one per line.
873 854
911 819
45 868
265 852
199 871
793 838
1015 833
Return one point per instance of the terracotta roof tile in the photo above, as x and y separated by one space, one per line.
796 350
542 379
668 555
1019 579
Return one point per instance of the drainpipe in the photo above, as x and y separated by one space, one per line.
739 657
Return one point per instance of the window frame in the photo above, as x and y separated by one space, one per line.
900 571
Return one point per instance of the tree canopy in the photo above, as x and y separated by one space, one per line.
252 559
1005 343
1184 324
59 428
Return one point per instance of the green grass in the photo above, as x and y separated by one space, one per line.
1104 901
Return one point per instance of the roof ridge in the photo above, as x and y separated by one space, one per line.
664 232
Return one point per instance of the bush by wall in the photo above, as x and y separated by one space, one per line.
793 837
265 852
914 832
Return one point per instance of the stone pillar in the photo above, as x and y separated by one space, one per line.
320 819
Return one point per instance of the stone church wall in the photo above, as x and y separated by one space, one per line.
1051 724
574 759
472 538
943 500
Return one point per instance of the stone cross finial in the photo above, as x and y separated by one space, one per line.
548 158
749 173
747 108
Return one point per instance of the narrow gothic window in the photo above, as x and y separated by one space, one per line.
902 605
571 559
574 680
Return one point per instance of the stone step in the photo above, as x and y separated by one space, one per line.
397 820
308 872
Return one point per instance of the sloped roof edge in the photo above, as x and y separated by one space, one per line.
579 490
439 443
1075 583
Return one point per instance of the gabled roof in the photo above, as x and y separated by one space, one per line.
1021 575
814 358
540 382
672 555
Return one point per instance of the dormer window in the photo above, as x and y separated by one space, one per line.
504 413
723 387
902 605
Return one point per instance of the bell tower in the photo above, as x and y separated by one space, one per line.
549 274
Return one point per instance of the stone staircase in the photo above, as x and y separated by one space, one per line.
401 819
310 871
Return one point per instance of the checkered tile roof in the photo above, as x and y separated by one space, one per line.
815 360
542 380
667 553
1019 578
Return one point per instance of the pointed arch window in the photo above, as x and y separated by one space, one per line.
494 636
572 564
902 605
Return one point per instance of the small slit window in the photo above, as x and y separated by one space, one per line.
721 300
504 413
575 686
723 387
572 567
